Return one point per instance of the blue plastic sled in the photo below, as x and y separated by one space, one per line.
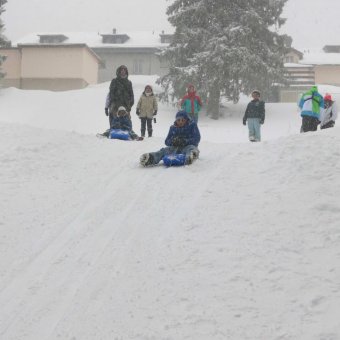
176 159
119 134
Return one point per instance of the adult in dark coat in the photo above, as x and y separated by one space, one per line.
120 94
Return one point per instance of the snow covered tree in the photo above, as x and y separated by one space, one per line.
3 41
224 47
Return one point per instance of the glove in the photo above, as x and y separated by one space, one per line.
154 120
155 112
261 121
244 122
137 112
107 111
178 141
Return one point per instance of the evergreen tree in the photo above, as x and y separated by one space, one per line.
3 41
224 47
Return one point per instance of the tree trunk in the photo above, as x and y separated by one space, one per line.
213 108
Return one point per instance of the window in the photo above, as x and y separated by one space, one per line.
289 59
137 67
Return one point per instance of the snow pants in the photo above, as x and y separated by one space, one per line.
328 125
158 155
309 123
146 122
254 128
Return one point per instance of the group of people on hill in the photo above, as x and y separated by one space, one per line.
184 135
317 110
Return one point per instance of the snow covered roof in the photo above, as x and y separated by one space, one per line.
321 58
95 39
297 65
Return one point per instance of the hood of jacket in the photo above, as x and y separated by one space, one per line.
118 71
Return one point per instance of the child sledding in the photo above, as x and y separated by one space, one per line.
182 144
121 127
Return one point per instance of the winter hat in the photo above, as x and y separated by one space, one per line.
314 88
148 86
327 97
256 92
121 108
182 114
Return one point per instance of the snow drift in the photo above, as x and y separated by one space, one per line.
243 244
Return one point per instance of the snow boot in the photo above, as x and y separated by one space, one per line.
104 134
192 156
146 159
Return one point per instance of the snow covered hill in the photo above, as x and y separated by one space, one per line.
243 244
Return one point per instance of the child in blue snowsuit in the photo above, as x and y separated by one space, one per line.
183 138
122 122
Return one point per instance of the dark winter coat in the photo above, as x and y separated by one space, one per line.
122 122
255 109
121 92
189 133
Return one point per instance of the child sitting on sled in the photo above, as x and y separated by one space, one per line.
183 138
122 122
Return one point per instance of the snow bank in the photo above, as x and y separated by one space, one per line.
243 244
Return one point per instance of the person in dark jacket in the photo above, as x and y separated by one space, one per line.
120 94
255 115
183 137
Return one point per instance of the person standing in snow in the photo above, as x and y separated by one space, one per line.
183 138
191 103
120 94
329 114
255 115
147 109
311 103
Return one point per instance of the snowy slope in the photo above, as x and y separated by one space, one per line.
243 244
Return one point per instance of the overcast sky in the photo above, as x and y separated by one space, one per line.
311 23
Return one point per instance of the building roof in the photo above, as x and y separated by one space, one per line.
95 40
294 50
321 58
295 65
37 45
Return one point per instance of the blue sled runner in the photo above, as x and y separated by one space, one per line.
119 134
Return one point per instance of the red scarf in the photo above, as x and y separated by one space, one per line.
192 96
